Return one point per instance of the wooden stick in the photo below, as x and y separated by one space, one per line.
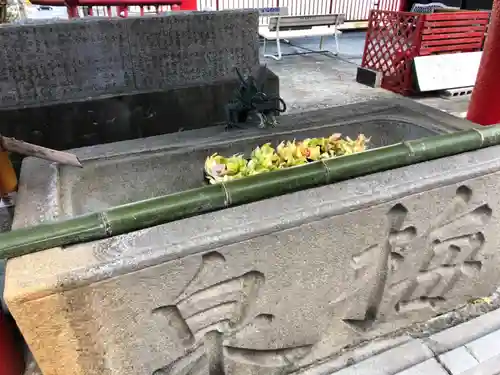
29 149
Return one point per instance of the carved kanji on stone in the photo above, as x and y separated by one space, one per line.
411 272
206 319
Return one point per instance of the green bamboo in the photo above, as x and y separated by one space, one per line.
164 209
282 181
155 211
114 221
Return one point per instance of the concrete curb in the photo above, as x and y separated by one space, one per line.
465 349
392 361
357 355
464 333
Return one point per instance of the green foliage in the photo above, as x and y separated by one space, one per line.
287 154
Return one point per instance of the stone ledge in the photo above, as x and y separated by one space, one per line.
464 333
457 361
479 332
393 361
489 367
486 347
431 366
356 355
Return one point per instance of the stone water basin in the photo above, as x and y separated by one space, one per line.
300 274
134 170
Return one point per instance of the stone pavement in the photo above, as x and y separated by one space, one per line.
456 106
318 81
470 348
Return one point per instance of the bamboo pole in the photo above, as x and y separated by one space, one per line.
8 178
29 149
164 209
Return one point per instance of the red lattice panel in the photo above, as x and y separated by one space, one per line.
392 41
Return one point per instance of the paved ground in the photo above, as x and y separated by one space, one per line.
455 106
471 348
316 80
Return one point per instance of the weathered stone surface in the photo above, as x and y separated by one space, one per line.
188 50
61 61
64 61
273 286
83 82
458 360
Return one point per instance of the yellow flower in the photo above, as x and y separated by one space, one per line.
235 164
360 143
314 153
287 154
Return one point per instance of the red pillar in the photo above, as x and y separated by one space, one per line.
72 8
189 5
72 11
484 108
11 350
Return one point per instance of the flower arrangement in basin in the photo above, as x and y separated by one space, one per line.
287 154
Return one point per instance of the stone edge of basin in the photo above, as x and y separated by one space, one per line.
444 123
160 210
260 218
31 183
